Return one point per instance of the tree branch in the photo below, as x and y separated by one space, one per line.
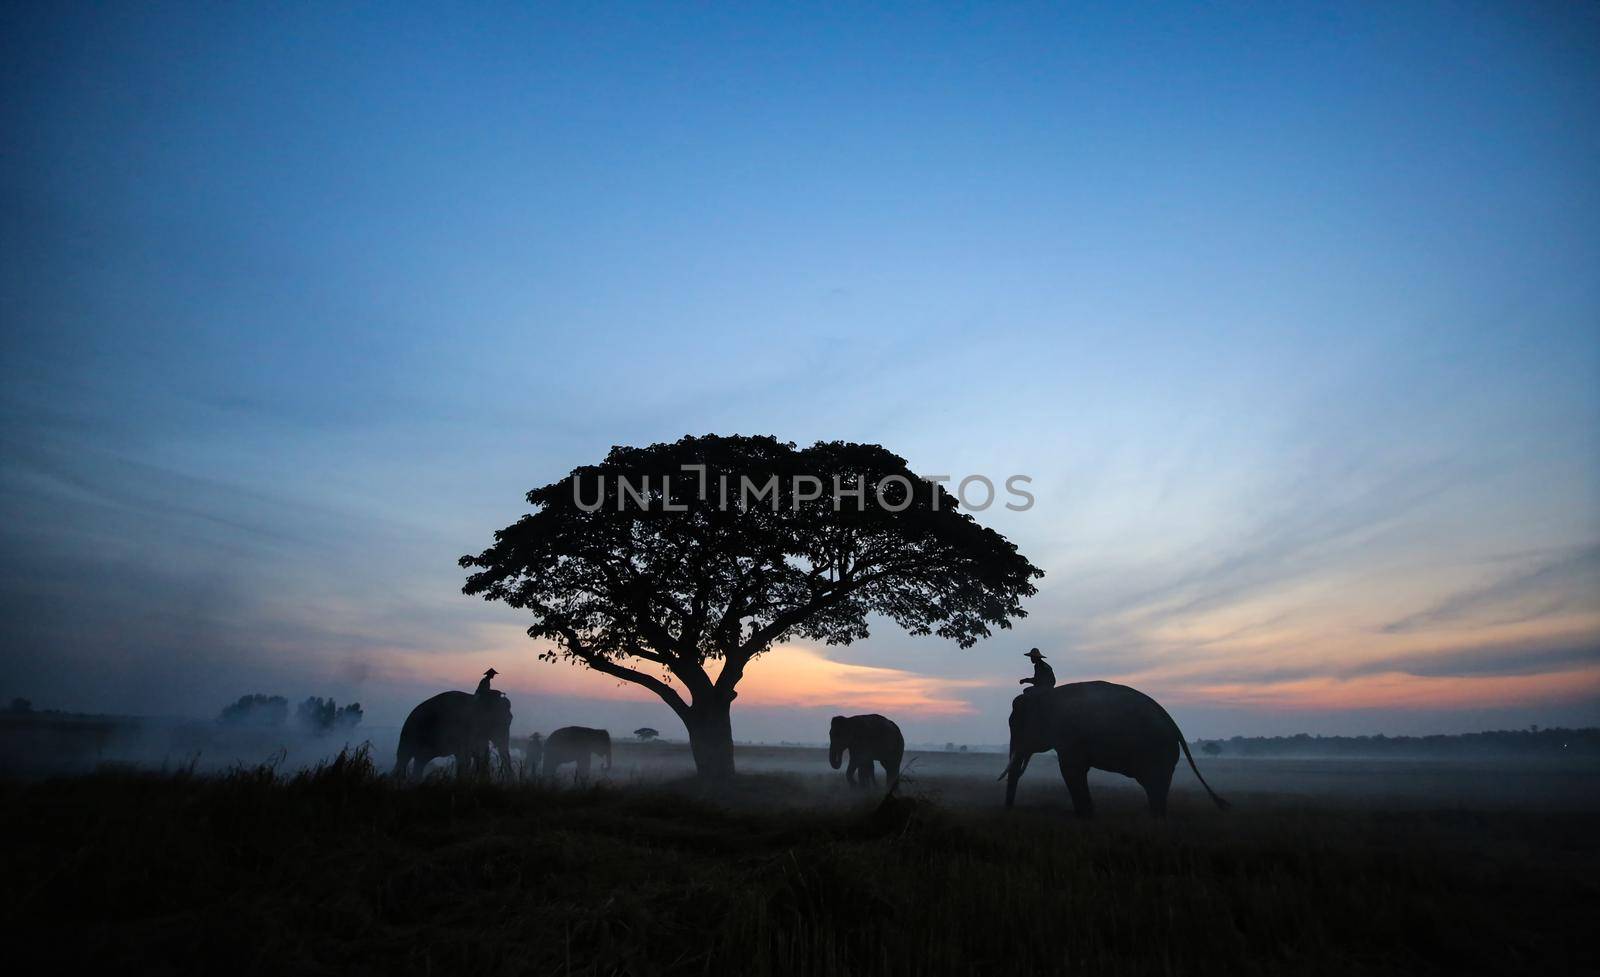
668 694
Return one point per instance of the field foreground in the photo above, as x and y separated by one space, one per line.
336 870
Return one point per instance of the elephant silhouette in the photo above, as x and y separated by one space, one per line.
456 724
1104 726
868 738
576 745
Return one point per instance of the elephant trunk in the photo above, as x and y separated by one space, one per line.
835 754
1013 773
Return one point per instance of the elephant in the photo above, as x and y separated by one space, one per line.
457 724
1101 725
868 738
576 744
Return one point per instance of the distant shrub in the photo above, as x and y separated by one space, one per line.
323 715
20 705
256 710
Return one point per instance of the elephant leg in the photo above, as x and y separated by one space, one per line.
891 768
1077 777
850 773
1156 784
582 768
869 775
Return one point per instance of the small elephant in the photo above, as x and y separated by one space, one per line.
457 724
868 738
1104 726
576 744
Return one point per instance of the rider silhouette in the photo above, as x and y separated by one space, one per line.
1044 677
483 683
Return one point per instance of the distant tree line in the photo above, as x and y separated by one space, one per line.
315 714
1533 741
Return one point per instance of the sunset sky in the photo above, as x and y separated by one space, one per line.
1291 313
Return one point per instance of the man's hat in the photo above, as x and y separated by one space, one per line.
1034 654
491 673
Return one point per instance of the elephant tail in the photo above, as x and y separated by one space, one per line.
1222 805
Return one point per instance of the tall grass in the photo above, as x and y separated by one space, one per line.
337 870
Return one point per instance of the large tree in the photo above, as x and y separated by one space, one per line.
660 561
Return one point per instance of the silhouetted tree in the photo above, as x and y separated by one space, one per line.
646 734
646 572
1559 742
323 715
256 710
315 714
1211 747
20 705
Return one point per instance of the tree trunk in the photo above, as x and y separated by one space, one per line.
710 726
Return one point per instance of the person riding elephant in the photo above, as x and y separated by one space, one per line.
1104 726
483 683
576 745
870 738
456 724
1044 677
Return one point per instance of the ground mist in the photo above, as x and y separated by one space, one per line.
336 870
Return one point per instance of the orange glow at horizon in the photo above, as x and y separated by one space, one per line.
789 676
1325 668
799 677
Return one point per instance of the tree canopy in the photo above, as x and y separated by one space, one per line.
256 710
674 566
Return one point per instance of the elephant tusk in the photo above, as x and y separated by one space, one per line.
1007 771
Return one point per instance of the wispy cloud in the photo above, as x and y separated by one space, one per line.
1551 583
1388 690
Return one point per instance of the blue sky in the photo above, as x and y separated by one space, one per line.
1291 312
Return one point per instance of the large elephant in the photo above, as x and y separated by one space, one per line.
576 744
1101 725
457 724
868 738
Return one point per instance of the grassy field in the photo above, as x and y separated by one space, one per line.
337 871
